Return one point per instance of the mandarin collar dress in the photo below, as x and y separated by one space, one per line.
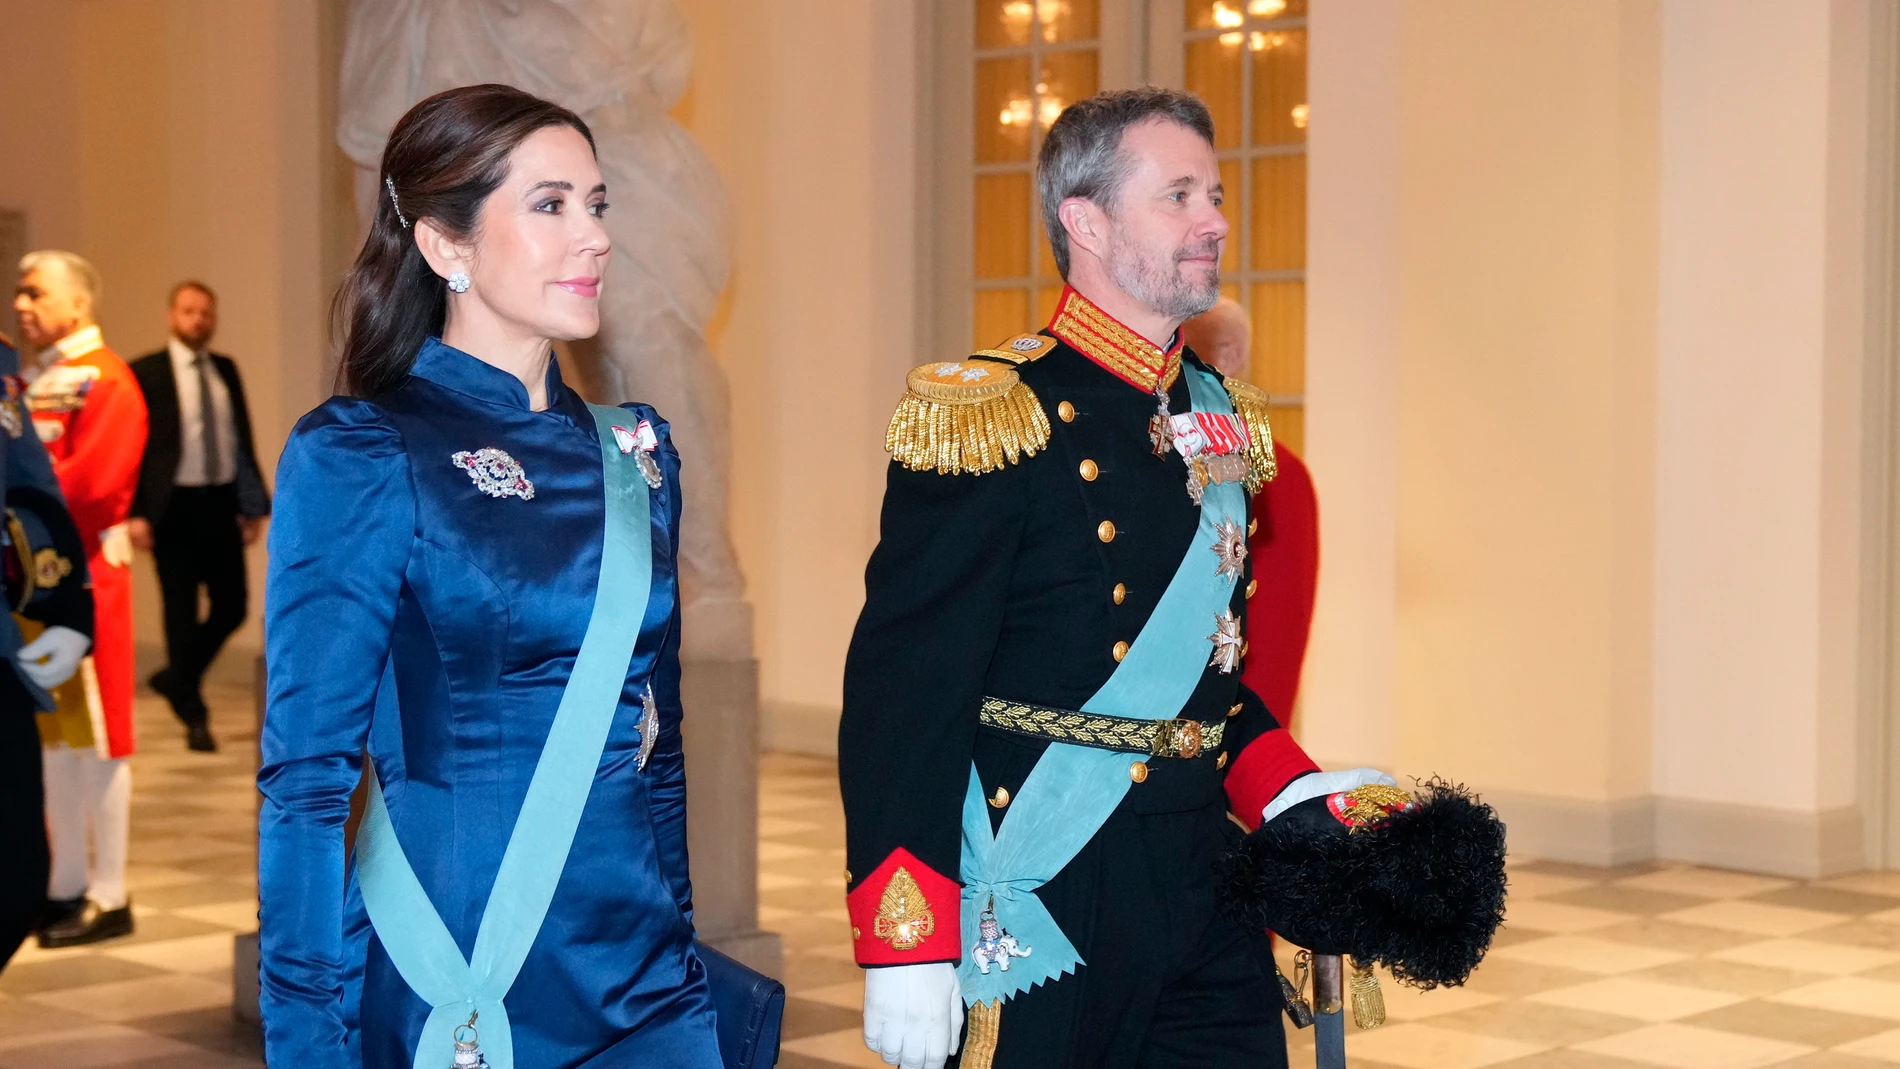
429 620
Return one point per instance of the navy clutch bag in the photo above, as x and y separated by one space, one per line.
749 1007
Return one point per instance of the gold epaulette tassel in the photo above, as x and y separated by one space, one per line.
985 1021
966 417
1368 1002
1250 404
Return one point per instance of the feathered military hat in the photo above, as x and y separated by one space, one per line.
1411 880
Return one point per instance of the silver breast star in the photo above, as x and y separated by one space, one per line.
1226 640
1231 548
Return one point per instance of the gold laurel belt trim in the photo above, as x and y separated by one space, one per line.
1157 738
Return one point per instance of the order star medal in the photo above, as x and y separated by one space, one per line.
1226 640
649 726
1231 548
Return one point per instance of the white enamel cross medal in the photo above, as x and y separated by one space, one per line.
640 443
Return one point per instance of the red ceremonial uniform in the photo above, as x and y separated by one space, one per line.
89 411
1285 554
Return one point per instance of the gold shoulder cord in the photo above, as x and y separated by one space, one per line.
1250 404
970 416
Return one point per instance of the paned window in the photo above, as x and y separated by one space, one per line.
1032 59
1247 60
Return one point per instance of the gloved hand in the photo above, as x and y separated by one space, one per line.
52 658
115 546
913 1014
1317 784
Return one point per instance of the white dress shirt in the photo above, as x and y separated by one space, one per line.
191 433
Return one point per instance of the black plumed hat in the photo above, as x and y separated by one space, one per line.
1419 890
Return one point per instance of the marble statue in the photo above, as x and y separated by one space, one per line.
622 65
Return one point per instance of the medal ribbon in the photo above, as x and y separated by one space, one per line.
1073 789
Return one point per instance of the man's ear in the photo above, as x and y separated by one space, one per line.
1082 218
444 254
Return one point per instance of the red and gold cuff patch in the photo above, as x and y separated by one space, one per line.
904 913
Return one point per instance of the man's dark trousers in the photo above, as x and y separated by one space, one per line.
22 818
196 544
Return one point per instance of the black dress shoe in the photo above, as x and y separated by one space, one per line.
198 737
59 909
90 925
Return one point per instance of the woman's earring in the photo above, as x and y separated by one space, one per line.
458 282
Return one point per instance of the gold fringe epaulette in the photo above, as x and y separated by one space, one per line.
1250 403
966 416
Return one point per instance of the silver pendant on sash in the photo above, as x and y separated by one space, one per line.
468 1046
994 945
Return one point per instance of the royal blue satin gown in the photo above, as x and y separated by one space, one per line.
413 615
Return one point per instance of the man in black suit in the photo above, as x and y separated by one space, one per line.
201 499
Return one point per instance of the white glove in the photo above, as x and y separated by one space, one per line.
52 658
115 546
1319 784
913 1014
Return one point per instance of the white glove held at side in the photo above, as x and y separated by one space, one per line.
913 1014
1318 784
115 546
52 658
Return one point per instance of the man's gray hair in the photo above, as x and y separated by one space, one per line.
77 268
1082 156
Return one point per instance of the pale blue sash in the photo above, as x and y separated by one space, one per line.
1073 789
406 921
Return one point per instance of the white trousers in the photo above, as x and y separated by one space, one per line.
87 793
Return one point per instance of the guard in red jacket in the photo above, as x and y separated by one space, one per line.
87 408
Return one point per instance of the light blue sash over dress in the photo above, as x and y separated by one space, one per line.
406 922
1073 789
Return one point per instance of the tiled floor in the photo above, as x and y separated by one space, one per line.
1654 965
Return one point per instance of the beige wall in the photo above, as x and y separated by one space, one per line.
167 139
1585 410
816 332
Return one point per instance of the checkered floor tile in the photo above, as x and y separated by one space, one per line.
1655 965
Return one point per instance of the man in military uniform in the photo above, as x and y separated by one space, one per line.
87 409
44 565
1043 727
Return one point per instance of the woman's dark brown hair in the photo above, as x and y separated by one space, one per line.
443 160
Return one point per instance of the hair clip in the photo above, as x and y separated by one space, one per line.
390 184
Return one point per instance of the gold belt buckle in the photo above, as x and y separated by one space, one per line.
1177 738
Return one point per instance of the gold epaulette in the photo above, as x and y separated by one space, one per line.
967 416
1250 404
1021 349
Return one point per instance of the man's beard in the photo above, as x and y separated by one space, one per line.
1160 284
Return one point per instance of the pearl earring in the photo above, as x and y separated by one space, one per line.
458 282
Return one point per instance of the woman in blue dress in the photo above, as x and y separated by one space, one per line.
442 530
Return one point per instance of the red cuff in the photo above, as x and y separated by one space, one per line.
1262 771
904 913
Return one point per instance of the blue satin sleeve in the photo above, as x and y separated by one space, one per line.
666 768
339 546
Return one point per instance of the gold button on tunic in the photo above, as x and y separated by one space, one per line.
1105 530
1089 471
1120 651
1065 412
1121 593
